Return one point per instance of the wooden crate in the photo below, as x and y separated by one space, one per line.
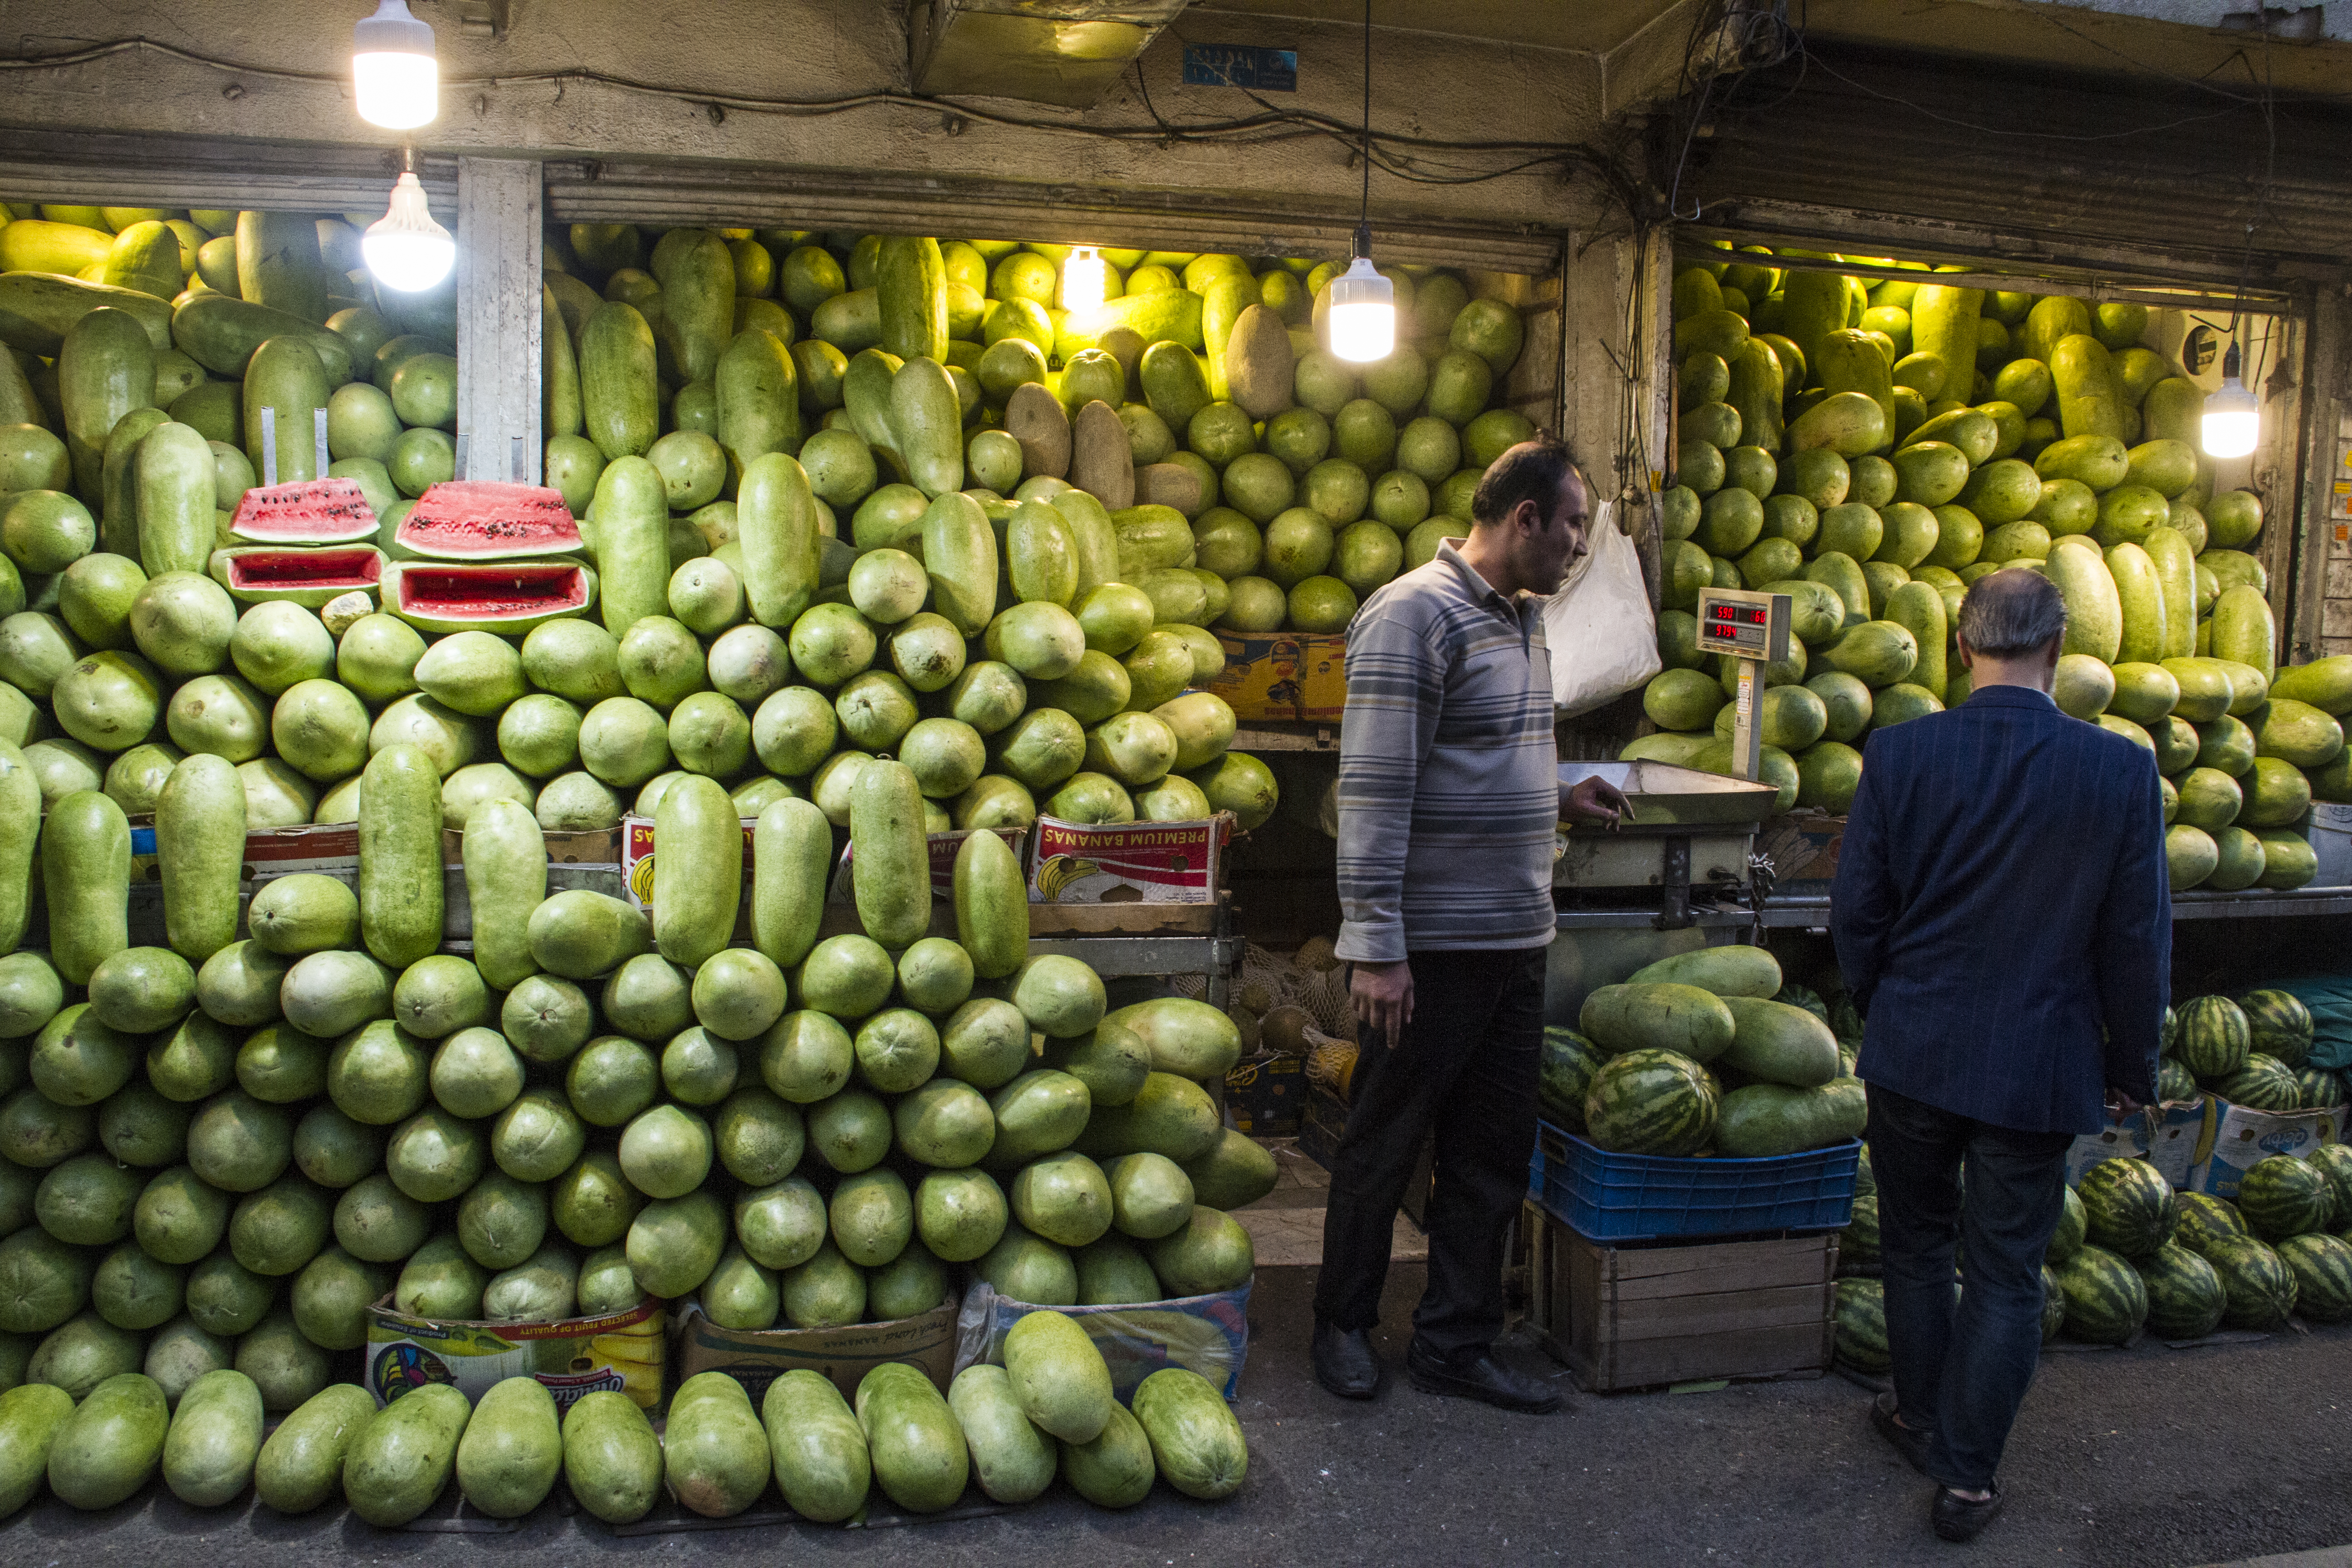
1636 1316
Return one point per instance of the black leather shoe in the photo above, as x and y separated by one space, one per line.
1958 1518
1907 1441
1344 1362
1481 1377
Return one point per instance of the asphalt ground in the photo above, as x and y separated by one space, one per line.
2139 1459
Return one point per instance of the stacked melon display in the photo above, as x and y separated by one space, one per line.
1871 449
2253 1051
1240 473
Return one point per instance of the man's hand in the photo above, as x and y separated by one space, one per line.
1594 800
2121 1107
1382 995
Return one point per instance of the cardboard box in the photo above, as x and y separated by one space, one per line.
572 1356
2173 1137
2242 1135
1802 846
1128 862
1206 1335
1286 678
942 848
1638 1317
1267 1094
585 859
756 1357
638 868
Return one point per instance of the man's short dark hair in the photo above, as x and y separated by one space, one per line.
1529 471
2010 613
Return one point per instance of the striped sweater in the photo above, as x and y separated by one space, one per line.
1449 793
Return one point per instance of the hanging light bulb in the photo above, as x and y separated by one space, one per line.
394 78
2232 416
405 248
1363 303
1086 280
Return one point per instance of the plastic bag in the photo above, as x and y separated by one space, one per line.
1602 634
1207 1334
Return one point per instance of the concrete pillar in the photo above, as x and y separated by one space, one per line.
498 363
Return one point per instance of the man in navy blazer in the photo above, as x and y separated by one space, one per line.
2003 920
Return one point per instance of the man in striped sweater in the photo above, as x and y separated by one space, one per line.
1449 799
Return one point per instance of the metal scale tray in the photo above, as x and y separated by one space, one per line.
1687 828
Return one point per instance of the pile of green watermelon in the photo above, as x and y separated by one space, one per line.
2253 1051
1871 449
1709 1052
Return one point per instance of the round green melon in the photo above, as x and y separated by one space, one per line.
2127 1208
1862 1325
2322 1266
2279 1025
2106 1301
1650 1102
2211 1037
2283 1197
2258 1287
2264 1083
2185 1300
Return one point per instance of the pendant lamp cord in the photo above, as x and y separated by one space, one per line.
1364 218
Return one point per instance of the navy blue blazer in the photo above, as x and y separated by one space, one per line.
2003 915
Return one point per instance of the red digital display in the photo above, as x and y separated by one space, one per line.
1752 614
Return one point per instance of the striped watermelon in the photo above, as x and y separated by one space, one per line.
1865 1180
1650 1101
2067 1240
1804 996
2258 1285
2322 1266
2280 1025
2174 1082
2127 1206
2320 1090
2054 1304
2170 1031
1862 1325
2264 1083
2205 1219
1858 1243
2105 1302
1845 1023
2184 1293
2211 1037
1564 1076
2283 1197
2334 1160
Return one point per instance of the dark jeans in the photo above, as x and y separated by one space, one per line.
1466 1069
1961 1373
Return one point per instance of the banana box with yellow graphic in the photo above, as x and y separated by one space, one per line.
623 1352
941 849
1284 678
639 865
1128 862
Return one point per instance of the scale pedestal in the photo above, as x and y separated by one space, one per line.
1753 628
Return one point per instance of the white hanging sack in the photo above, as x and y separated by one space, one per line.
1604 637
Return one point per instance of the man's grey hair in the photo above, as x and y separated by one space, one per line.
2012 613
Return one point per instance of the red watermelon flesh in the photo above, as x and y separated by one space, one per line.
309 511
271 571
485 519
447 595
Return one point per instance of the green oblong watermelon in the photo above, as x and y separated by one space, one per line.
2264 1083
2203 1219
1650 1101
2105 1302
2211 1037
2317 1088
2185 1299
1564 1076
2322 1266
2174 1082
2054 1304
1862 1325
2067 1240
2334 1160
1858 1243
2283 1197
2259 1287
2127 1208
2279 1025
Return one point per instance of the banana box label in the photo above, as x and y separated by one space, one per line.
639 865
942 848
1127 862
1285 678
2243 1136
624 1351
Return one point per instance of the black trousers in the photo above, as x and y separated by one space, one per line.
1466 1069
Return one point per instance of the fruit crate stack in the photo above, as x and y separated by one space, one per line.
1696 1163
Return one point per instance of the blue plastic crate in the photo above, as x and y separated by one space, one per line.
1649 1197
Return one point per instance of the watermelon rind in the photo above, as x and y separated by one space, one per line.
2067 1238
1564 1076
2127 1208
2203 1219
1858 1243
487 520
1650 1101
511 595
2264 1083
2105 1302
2318 1090
2279 1025
2259 1287
2283 1197
2322 1266
331 510
307 575
1862 1325
2185 1299
2175 1084
1865 1180
2334 1160
2212 1038
2054 1304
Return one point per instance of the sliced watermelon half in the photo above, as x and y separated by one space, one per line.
307 511
305 575
485 595
483 519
